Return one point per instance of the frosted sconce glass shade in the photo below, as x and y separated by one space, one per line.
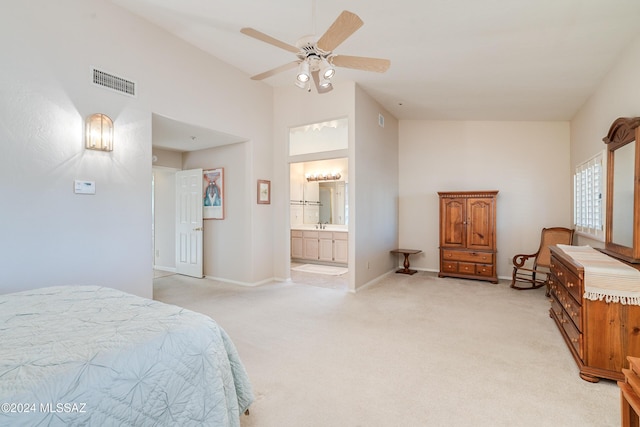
99 133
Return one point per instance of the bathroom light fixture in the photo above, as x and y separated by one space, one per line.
99 133
324 177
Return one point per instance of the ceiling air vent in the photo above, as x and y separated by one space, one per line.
110 81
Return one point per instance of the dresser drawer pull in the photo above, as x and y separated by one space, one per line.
570 285
574 340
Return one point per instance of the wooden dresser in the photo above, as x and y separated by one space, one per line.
600 335
468 235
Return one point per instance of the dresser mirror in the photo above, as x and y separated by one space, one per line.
622 233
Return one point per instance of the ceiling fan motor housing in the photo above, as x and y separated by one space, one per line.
310 52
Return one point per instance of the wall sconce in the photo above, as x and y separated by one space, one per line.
99 133
324 177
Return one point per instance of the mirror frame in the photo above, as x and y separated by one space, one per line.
623 131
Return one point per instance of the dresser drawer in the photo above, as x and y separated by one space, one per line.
567 279
553 285
559 270
556 307
467 256
572 310
573 334
573 285
571 307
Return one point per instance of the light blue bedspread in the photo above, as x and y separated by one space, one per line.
88 355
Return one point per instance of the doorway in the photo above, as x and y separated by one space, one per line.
319 223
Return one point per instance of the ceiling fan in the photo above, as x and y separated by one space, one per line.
316 60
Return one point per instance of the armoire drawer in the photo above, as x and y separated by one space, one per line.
466 268
467 256
450 266
484 270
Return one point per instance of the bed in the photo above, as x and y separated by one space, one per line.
89 355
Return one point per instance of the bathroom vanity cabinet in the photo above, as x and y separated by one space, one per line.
320 245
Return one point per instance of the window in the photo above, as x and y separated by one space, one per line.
587 197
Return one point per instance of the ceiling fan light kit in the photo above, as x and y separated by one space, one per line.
316 60
303 72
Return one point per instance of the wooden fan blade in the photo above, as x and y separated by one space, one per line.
268 39
316 79
277 70
361 63
345 25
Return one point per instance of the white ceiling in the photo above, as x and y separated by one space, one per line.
179 136
450 59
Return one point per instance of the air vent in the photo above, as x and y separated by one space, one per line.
110 81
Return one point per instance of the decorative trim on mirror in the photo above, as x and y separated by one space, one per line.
622 131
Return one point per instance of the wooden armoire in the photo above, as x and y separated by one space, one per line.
468 235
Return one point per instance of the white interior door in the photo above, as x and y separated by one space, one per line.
189 222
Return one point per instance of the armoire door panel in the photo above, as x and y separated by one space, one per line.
479 229
454 229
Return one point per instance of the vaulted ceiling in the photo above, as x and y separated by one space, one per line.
450 59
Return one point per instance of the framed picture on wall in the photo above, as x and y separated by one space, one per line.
264 192
213 197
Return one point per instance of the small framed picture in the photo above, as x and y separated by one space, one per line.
264 192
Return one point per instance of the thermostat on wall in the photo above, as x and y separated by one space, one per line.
84 187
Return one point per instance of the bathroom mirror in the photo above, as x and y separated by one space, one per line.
622 233
325 202
319 192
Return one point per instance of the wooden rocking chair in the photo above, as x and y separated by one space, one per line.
533 278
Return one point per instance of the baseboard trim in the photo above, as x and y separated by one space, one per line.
161 268
372 282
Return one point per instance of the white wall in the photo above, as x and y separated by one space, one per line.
164 218
50 235
167 158
617 96
374 186
528 162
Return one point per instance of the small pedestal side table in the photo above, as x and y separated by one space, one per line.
406 253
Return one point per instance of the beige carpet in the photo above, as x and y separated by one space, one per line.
409 351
